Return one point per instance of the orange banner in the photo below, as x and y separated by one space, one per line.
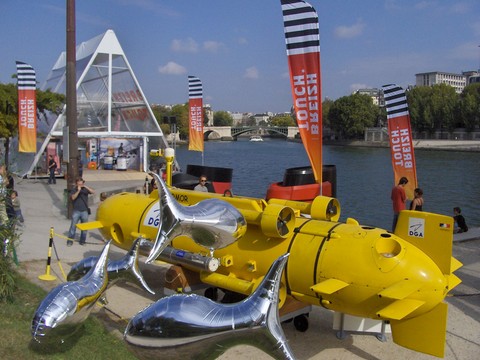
400 136
306 90
27 108
302 39
195 117
403 158
27 121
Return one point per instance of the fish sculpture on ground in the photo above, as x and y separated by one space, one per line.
191 326
124 268
212 223
65 308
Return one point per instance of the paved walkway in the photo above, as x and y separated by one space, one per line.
43 208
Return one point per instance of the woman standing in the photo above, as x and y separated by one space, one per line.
417 202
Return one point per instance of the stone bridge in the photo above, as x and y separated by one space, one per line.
232 132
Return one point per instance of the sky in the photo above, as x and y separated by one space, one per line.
237 47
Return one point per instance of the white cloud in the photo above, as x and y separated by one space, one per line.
188 45
172 68
251 73
212 46
348 32
242 41
461 8
423 5
355 87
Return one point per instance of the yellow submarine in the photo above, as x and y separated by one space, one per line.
400 277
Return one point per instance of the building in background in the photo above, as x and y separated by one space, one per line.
457 81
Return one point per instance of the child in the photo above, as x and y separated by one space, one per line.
460 224
16 206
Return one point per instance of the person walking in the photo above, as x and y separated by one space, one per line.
79 196
52 167
417 202
202 184
399 200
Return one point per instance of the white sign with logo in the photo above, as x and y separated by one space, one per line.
416 227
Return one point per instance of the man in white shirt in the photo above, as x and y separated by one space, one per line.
202 185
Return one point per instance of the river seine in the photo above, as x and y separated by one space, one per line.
364 175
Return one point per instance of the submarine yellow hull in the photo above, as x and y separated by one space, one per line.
346 267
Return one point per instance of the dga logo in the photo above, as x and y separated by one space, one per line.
416 227
153 216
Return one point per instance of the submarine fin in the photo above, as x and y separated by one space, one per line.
453 281
399 309
455 265
400 290
431 233
425 333
329 286
90 225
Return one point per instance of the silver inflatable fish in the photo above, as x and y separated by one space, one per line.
65 308
192 326
124 268
212 223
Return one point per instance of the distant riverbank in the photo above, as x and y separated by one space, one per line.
451 145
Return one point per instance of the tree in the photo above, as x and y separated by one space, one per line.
444 102
180 112
282 120
469 107
326 106
161 112
350 115
419 107
222 118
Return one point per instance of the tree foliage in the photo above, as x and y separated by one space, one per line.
350 115
222 118
469 108
282 120
439 107
326 106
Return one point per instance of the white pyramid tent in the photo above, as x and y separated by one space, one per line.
111 108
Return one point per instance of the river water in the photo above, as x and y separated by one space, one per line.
364 175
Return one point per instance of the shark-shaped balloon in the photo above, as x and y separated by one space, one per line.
124 268
191 326
212 223
65 308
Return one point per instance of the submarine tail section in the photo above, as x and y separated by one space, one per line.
425 333
431 233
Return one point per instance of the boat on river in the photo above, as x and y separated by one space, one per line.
256 138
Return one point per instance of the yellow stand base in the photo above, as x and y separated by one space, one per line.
47 277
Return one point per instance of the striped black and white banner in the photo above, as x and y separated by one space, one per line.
26 79
395 101
195 90
300 22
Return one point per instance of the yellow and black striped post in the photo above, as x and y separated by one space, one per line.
47 276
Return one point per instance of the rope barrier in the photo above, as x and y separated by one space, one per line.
67 238
47 276
59 263
51 245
